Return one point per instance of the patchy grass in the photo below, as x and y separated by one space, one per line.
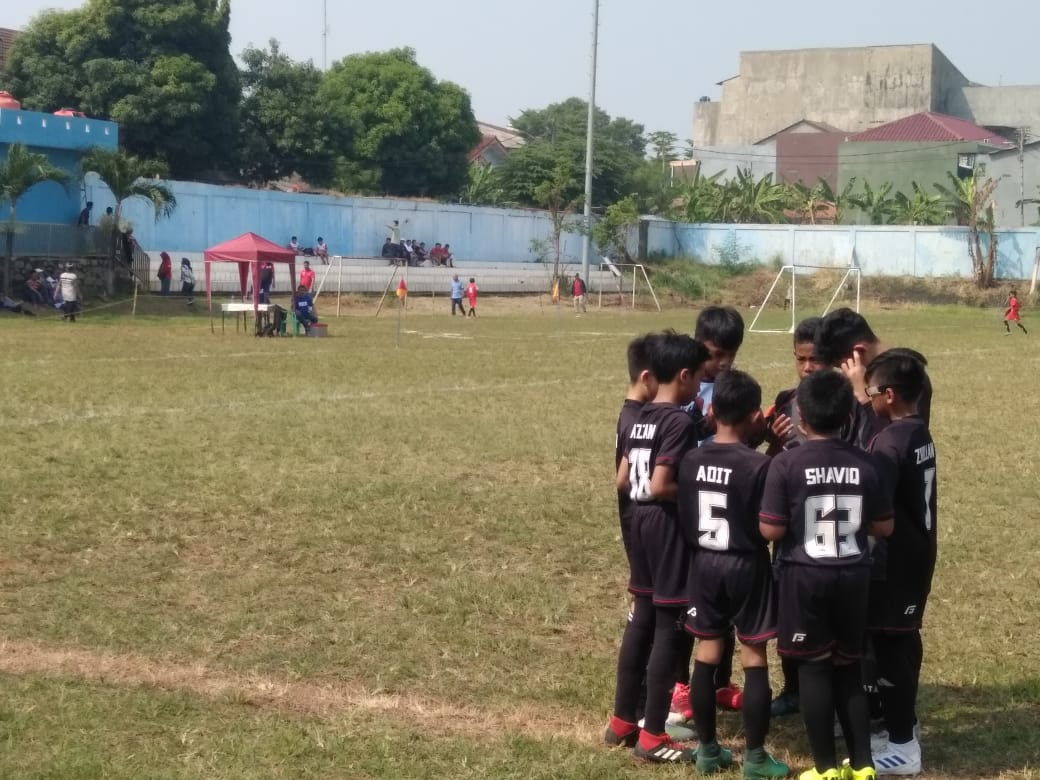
425 536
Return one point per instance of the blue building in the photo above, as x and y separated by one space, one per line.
63 139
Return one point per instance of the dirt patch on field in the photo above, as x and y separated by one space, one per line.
290 696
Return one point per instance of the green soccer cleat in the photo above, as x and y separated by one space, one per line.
759 765
712 757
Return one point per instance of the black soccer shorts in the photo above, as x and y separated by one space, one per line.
898 602
659 561
823 609
732 589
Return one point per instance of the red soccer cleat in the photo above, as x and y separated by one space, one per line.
681 711
730 697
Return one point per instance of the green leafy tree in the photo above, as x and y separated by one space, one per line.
484 188
19 173
663 144
808 202
970 201
128 176
755 201
395 129
841 200
611 232
160 68
555 195
281 118
919 207
879 206
701 201
555 140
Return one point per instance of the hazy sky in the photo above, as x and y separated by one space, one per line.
656 56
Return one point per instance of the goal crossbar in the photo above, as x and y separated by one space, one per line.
793 271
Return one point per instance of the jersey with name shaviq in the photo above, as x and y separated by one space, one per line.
827 493
720 489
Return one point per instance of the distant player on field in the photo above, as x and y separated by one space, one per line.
660 556
1012 315
821 501
731 582
905 455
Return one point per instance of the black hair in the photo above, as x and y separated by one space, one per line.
672 352
825 401
640 356
899 370
721 325
736 396
839 332
807 329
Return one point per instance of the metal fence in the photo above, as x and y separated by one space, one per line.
45 239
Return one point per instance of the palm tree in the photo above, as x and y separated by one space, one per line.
484 187
919 208
128 176
878 205
22 171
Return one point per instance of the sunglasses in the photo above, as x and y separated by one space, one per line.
874 390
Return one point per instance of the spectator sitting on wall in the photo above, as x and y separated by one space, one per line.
435 254
420 253
321 249
448 257
34 288
303 306
294 245
84 215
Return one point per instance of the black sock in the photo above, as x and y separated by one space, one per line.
898 683
790 667
756 706
816 700
702 699
724 675
660 670
916 659
1006 326
683 655
850 701
632 658
1023 327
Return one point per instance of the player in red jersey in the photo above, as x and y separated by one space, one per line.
1012 315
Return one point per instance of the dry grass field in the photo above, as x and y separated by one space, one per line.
224 557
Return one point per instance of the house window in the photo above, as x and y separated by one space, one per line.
965 165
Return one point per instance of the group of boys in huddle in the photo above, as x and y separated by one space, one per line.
846 494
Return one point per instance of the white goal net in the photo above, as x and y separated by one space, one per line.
801 291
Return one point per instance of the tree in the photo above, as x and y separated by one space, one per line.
970 200
701 201
160 68
919 208
395 129
751 201
484 188
554 196
128 176
19 173
555 138
878 205
663 143
841 199
611 232
281 118
808 201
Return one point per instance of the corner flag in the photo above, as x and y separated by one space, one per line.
402 290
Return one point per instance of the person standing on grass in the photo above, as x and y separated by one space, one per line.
307 276
165 273
266 282
1012 315
578 291
471 296
821 501
661 560
71 301
187 281
456 296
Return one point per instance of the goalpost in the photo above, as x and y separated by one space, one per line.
790 300
629 275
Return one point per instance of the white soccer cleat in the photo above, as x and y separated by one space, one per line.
901 760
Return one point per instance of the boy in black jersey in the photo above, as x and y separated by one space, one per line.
820 502
731 583
905 456
659 554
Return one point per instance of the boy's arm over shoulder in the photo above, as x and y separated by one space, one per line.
774 514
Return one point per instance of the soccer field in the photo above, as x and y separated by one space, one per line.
229 557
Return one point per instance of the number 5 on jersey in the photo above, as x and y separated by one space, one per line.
711 520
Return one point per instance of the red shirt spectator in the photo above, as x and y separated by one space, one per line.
307 276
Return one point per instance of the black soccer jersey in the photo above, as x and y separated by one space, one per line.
720 489
905 456
827 493
628 417
661 437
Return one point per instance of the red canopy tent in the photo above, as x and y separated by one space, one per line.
248 250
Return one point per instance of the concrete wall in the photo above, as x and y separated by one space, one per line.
1004 107
850 88
207 215
925 162
1005 168
889 250
727 160
63 140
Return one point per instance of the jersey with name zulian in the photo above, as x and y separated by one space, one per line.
827 493
720 489
661 437
905 456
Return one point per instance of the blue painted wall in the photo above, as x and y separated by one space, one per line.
63 139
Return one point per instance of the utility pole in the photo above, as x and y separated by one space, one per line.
324 35
1022 174
586 244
